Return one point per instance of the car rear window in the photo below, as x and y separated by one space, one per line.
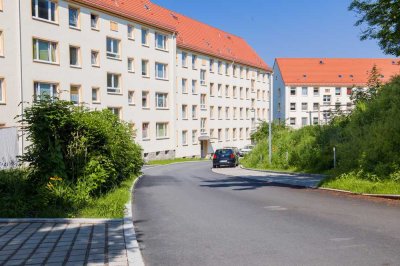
223 152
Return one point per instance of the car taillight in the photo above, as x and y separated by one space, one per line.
215 156
232 156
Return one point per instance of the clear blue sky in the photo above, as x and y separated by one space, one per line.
284 28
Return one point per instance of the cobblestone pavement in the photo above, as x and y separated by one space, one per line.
63 243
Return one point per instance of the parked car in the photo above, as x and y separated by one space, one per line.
235 149
225 157
246 149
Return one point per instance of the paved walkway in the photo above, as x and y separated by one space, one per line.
62 242
303 180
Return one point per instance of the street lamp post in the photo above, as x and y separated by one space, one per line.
270 120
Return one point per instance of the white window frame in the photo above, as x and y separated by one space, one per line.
1 43
113 89
51 46
147 130
202 77
164 124
164 71
184 137
203 101
194 61
2 91
194 86
78 56
194 136
78 88
35 10
164 42
184 59
97 100
164 99
131 64
53 89
130 31
194 112
145 37
96 26
146 65
131 97
112 54
78 15
97 57
184 112
146 96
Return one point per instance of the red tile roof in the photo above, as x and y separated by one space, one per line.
334 71
191 34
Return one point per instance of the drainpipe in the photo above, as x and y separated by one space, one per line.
21 80
270 119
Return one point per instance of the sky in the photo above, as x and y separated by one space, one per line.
284 28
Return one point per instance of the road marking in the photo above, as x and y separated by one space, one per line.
339 239
275 208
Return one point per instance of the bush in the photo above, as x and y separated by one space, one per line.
77 154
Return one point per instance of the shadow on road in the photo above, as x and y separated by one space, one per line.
243 183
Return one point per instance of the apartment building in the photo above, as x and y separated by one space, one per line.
145 63
310 91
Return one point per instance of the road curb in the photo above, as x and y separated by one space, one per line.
386 196
131 245
281 172
158 165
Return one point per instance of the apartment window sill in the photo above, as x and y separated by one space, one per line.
145 108
46 21
146 139
131 38
162 50
163 79
114 58
78 67
74 28
97 66
131 104
162 138
96 102
46 62
145 76
3 103
114 93
145 45
162 108
95 29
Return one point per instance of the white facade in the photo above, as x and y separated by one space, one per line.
303 105
96 59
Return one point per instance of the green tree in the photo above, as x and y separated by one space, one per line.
382 20
374 84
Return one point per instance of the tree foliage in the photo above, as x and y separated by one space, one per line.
382 20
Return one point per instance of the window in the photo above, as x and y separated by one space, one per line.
252 85
131 32
161 41
219 67
145 99
326 99
304 91
184 59
227 135
292 121
116 111
184 112
212 90
184 137
315 106
44 51
184 86
211 65
73 17
292 106
241 133
203 101
94 21
349 91
348 106
113 83
227 113
162 130
316 91
227 94
338 106
241 112
161 100
145 37
247 113
42 90
212 134
219 112
113 26
203 123
145 131
44 9
219 134
113 50
304 106
241 93
74 56
212 112
94 58
1 43
227 69
95 95
194 136
315 121
234 134
131 65
234 113
194 86
75 94
131 97
219 90
145 68
202 77
247 93
247 133
234 71
338 91
161 71
194 61
293 91
2 91
234 92
241 72
304 121
194 112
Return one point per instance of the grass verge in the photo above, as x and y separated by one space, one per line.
176 160
19 200
357 185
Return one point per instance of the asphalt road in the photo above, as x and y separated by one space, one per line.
185 214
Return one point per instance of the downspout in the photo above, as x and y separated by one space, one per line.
21 80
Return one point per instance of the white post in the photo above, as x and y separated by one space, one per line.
334 157
270 119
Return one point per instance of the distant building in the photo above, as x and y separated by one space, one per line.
187 88
308 91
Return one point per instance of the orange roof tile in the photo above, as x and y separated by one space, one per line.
334 71
191 34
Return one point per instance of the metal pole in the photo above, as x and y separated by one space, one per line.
270 120
334 157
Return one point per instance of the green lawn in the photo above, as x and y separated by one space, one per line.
354 184
176 160
18 200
